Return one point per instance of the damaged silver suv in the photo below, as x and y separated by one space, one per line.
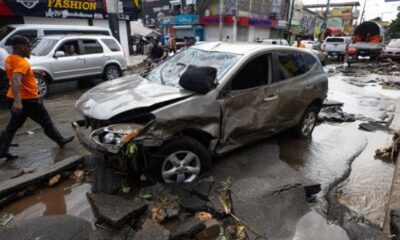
204 101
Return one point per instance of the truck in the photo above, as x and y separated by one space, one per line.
367 41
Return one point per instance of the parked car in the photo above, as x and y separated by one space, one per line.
94 55
323 56
33 31
207 100
392 50
336 46
277 41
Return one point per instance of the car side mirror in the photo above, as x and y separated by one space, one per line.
59 54
199 79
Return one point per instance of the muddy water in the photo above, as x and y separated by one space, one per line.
338 148
65 198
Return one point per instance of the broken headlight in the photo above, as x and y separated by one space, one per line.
116 134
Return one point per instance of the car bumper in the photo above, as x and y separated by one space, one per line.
392 56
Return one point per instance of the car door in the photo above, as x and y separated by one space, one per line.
296 85
249 104
72 64
94 56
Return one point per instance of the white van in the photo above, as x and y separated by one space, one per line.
33 31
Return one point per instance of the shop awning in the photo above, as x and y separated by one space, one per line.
138 29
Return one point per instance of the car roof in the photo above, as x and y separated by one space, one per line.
39 26
74 36
242 48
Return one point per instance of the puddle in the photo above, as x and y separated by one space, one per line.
65 198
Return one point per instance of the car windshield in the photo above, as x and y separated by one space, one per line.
4 31
169 72
339 40
394 43
43 46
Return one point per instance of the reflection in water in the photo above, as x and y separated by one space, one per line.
65 198
313 226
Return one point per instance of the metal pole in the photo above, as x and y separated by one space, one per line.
221 20
363 12
290 21
235 20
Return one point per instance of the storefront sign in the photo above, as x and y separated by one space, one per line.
53 8
128 9
154 10
281 24
261 22
181 20
210 20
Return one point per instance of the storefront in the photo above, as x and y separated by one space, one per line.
182 26
69 12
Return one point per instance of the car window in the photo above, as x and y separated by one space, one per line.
4 31
111 44
254 74
30 34
309 61
70 48
291 65
335 40
42 46
92 46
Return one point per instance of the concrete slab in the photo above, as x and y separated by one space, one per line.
151 231
19 183
47 228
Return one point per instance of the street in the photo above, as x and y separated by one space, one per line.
340 157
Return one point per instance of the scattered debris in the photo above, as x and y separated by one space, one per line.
203 216
152 231
335 114
5 218
78 176
54 180
392 151
375 126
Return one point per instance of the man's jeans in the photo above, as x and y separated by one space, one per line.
35 110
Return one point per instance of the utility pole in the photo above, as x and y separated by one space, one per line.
235 22
290 21
363 12
324 24
221 20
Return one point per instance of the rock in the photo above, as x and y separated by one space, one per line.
331 70
78 176
156 192
151 231
212 231
126 233
54 180
114 210
158 215
187 229
172 212
193 204
395 223
357 231
216 207
61 227
203 216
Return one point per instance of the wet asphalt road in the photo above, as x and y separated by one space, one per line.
339 156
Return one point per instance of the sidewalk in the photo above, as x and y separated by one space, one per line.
135 61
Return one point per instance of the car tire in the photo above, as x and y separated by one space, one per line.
43 86
307 123
172 166
111 72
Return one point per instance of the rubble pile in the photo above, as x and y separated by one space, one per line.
168 211
335 114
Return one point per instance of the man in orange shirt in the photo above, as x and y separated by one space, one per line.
298 44
23 98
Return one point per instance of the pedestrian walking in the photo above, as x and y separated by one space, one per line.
23 98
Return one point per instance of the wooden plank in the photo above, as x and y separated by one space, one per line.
19 183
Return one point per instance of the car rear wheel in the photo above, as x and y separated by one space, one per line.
43 86
111 72
183 160
307 123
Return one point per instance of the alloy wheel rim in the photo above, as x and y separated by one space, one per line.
308 123
112 74
181 167
42 87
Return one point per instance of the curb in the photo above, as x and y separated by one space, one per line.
136 66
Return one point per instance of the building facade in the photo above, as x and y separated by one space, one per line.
72 12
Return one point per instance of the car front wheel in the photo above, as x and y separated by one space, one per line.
183 160
43 86
307 123
111 72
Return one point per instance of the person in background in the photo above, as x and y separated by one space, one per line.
190 41
156 52
298 44
172 44
23 98
227 39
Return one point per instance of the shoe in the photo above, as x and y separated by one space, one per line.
64 141
9 156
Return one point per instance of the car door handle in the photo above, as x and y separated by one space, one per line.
310 87
80 59
270 98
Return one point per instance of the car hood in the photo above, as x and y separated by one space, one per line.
127 93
